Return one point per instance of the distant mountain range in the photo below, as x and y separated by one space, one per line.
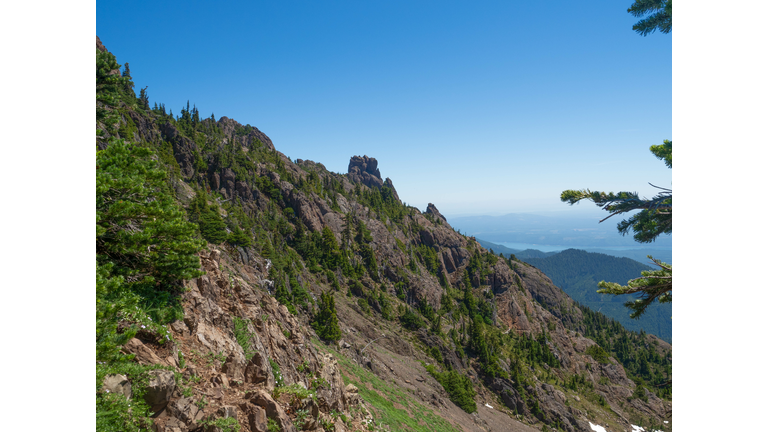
639 255
577 272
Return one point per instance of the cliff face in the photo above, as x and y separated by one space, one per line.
244 355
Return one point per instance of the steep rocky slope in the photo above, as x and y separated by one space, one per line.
415 301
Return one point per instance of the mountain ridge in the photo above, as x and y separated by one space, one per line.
282 234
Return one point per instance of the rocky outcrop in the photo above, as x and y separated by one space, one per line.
247 136
365 170
225 379
432 210
100 46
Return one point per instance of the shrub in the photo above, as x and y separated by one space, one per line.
243 335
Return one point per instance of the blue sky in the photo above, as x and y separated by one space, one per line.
487 108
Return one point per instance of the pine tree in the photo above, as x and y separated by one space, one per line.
128 83
140 229
326 324
144 99
660 16
110 87
195 115
653 219
330 249
212 226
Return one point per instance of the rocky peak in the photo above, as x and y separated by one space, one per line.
365 170
431 209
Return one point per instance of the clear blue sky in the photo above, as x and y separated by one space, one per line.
479 107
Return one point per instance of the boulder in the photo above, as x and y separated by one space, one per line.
258 370
159 389
256 415
144 354
117 383
274 411
186 411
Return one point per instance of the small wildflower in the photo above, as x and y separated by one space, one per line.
143 326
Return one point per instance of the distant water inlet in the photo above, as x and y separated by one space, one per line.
557 248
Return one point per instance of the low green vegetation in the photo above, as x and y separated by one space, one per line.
382 397
243 335
224 424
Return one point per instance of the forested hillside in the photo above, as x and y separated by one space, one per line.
239 290
577 273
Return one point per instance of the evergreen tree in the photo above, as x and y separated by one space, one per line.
144 99
212 226
239 237
653 219
346 234
195 115
660 17
140 229
326 324
330 249
110 87
128 83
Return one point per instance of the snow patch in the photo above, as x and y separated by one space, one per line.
489 406
636 428
596 428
